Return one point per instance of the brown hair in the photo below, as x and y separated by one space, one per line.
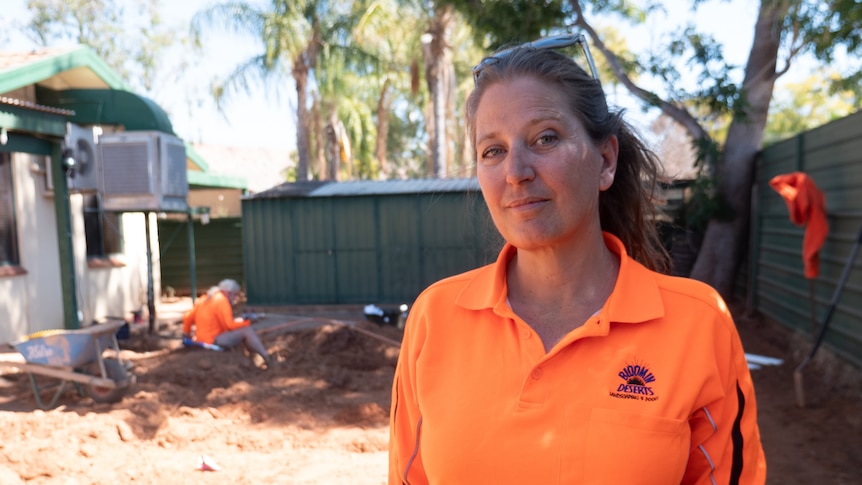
626 209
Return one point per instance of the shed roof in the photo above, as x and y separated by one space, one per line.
366 187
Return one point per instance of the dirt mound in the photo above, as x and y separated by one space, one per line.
320 415
328 391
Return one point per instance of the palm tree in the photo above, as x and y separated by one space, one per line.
439 76
293 34
340 87
390 30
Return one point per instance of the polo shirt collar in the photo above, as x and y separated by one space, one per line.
636 296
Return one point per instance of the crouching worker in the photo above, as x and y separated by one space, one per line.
212 317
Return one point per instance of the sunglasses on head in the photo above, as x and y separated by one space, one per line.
552 42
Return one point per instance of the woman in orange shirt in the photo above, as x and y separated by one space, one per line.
572 359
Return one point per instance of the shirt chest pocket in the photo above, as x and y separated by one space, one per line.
633 448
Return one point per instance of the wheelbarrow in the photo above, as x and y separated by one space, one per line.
76 356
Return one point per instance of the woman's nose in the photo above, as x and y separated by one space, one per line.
519 166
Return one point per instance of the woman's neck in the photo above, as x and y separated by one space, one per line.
557 290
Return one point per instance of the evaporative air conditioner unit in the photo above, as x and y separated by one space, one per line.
80 145
143 171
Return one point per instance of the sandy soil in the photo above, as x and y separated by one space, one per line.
320 416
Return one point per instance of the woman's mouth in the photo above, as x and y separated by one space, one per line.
525 203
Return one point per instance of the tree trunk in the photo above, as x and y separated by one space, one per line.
382 129
319 140
431 75
452 126
725 240
300 76
434 52
333 149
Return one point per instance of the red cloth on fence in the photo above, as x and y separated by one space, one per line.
807 206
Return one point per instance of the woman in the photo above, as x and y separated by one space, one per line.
570 359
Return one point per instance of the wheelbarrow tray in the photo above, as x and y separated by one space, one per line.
68 348
66 355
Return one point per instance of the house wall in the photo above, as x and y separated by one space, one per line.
33 301
115 291
221 202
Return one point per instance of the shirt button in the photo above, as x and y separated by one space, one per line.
525 334
537 373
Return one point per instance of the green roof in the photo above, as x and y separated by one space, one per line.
35 69
78 80
205 179
196 158
108 107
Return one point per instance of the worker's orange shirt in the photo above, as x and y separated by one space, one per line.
653 389
211 316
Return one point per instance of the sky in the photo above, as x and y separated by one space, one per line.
268 121
257 120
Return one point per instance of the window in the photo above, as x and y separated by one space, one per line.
8 229
101 229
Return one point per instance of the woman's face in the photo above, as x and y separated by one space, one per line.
539 171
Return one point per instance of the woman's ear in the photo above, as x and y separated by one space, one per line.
609 150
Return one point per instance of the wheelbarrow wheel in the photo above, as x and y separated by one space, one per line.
117 373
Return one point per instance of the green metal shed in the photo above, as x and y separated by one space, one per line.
831 155
362 241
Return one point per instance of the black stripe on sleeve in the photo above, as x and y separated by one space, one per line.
736 436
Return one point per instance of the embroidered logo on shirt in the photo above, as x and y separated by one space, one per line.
636 383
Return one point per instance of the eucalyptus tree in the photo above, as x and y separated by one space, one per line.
808 103
783 30
130 36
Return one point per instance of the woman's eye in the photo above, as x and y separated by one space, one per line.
546 139
490 153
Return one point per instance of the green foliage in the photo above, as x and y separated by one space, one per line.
351 50
283 33
405 144
807 104
128 35
499 22
700 205
704 201
828 29
714 93
289 172
850 83
827 24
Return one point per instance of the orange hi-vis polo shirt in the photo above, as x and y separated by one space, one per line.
211 316
653 389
